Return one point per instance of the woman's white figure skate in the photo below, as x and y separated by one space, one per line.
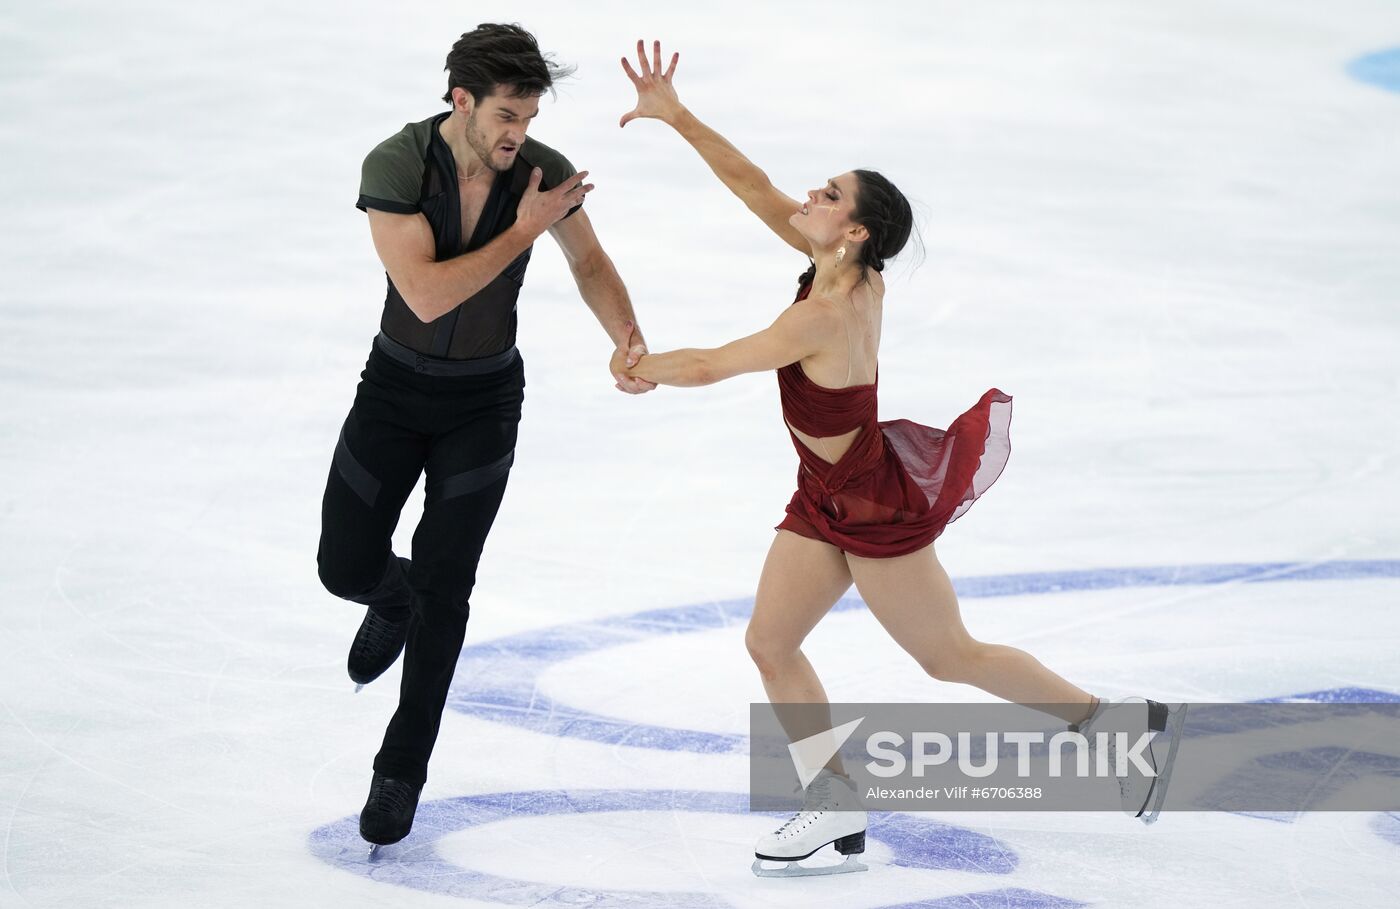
830 815
1142 796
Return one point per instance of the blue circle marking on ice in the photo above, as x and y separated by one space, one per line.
499 680
1387 826
914 842
1381 69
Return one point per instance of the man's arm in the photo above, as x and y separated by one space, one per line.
432 289
602 291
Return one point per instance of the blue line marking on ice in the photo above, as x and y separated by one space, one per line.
498 680
1381 69
915 842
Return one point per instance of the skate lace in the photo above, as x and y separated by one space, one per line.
817 801
376 634
1125 783
389 795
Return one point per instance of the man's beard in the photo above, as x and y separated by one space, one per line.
476 140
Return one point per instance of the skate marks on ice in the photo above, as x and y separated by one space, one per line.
1306 775
499 680
423 861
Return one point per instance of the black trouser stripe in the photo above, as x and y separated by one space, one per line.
471 480
354 473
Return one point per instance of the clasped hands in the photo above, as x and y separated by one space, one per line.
625 357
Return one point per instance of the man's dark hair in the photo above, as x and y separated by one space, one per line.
494 54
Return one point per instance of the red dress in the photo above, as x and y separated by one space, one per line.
900 483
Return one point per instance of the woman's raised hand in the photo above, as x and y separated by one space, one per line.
656 97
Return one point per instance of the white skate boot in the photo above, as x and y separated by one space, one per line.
1142 796
830 815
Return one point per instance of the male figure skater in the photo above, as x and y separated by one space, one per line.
455 203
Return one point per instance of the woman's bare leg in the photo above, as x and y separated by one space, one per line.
802 579
912 597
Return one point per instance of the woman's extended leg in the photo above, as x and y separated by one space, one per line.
802 579
913 599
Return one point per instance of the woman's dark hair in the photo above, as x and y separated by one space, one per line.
493 54
884 212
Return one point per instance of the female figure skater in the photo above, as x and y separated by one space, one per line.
872 496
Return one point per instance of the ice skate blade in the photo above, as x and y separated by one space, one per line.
1175 720
373 851
358 687
794 869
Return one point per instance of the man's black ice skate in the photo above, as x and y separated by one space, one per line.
377 645
388 814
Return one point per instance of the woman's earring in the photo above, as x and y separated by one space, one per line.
840 254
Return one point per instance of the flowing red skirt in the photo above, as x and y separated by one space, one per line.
897 488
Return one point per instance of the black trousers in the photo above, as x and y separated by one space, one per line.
461 430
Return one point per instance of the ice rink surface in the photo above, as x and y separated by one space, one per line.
1171 231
